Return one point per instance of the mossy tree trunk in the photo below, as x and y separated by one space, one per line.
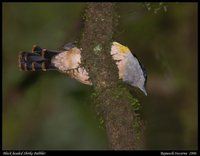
111 96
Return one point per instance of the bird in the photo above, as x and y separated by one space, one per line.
68 61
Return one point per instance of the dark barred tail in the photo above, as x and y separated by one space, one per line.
37 60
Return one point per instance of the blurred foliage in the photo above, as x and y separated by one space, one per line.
47 110
156 7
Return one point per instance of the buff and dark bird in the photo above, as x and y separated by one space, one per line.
68 61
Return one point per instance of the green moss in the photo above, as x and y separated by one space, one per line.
135 104
156 7
97 49
101 122
137 125
119 90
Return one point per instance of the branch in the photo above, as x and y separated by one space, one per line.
111 96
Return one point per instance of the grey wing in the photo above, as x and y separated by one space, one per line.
135 74
69 45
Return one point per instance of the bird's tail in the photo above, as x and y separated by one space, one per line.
37 60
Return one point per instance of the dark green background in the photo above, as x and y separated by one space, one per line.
48 110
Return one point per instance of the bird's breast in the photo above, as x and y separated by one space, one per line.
69 62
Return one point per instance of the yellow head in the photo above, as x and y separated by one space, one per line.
122 49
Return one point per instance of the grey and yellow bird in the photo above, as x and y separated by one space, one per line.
68 61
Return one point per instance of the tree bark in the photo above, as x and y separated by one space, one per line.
111 96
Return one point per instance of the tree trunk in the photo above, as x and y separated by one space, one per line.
111 96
